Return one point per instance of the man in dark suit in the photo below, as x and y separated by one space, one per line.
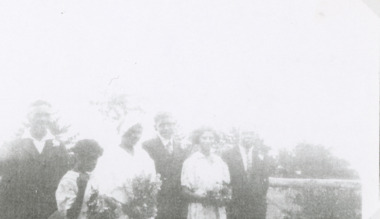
249 170
31 168
168 156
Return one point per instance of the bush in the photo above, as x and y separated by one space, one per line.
317 202
313 161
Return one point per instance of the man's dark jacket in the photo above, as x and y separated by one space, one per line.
249 189
30 179
169 166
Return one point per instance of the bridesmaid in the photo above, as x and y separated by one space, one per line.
124 162
203 172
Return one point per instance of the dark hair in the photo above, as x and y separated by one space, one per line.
87 148
162 115
196 134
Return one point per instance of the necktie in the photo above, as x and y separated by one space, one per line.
169 147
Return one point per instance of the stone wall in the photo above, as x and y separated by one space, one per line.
322 198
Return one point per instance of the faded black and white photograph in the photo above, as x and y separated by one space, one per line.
189 109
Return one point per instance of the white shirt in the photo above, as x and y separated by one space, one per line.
247 159
67 191
39 144
168 143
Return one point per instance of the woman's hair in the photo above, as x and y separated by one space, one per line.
87 149
196 134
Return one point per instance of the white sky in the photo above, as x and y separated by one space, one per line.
299 71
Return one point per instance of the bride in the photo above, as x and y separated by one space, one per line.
123 163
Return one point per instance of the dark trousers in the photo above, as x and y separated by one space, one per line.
252 209
170 207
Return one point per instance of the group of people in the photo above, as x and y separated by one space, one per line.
38 181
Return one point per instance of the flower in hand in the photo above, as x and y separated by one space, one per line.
219 196
102 206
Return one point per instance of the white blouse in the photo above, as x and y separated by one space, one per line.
118 167
201 174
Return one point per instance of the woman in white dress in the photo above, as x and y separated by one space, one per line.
122 164
203 172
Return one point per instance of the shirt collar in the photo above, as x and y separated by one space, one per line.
48 136
200 155
165 141
243 150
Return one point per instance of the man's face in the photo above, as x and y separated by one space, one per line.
39 121
132 136
247 139
165 127
89 164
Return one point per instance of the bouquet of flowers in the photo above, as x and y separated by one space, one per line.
142 201
101 207
220 195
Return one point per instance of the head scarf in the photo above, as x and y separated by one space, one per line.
128 122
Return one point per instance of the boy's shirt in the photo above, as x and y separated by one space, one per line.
67 192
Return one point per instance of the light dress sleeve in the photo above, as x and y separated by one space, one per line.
226 172
149 166
187 174
66 193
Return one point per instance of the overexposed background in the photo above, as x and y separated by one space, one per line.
297 71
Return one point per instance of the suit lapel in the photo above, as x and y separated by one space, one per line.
30 148
165 151
177 149
161 148
257 163
239 161
47 147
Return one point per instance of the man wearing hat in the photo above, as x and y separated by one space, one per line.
31 167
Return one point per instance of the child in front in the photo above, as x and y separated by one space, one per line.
75 186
